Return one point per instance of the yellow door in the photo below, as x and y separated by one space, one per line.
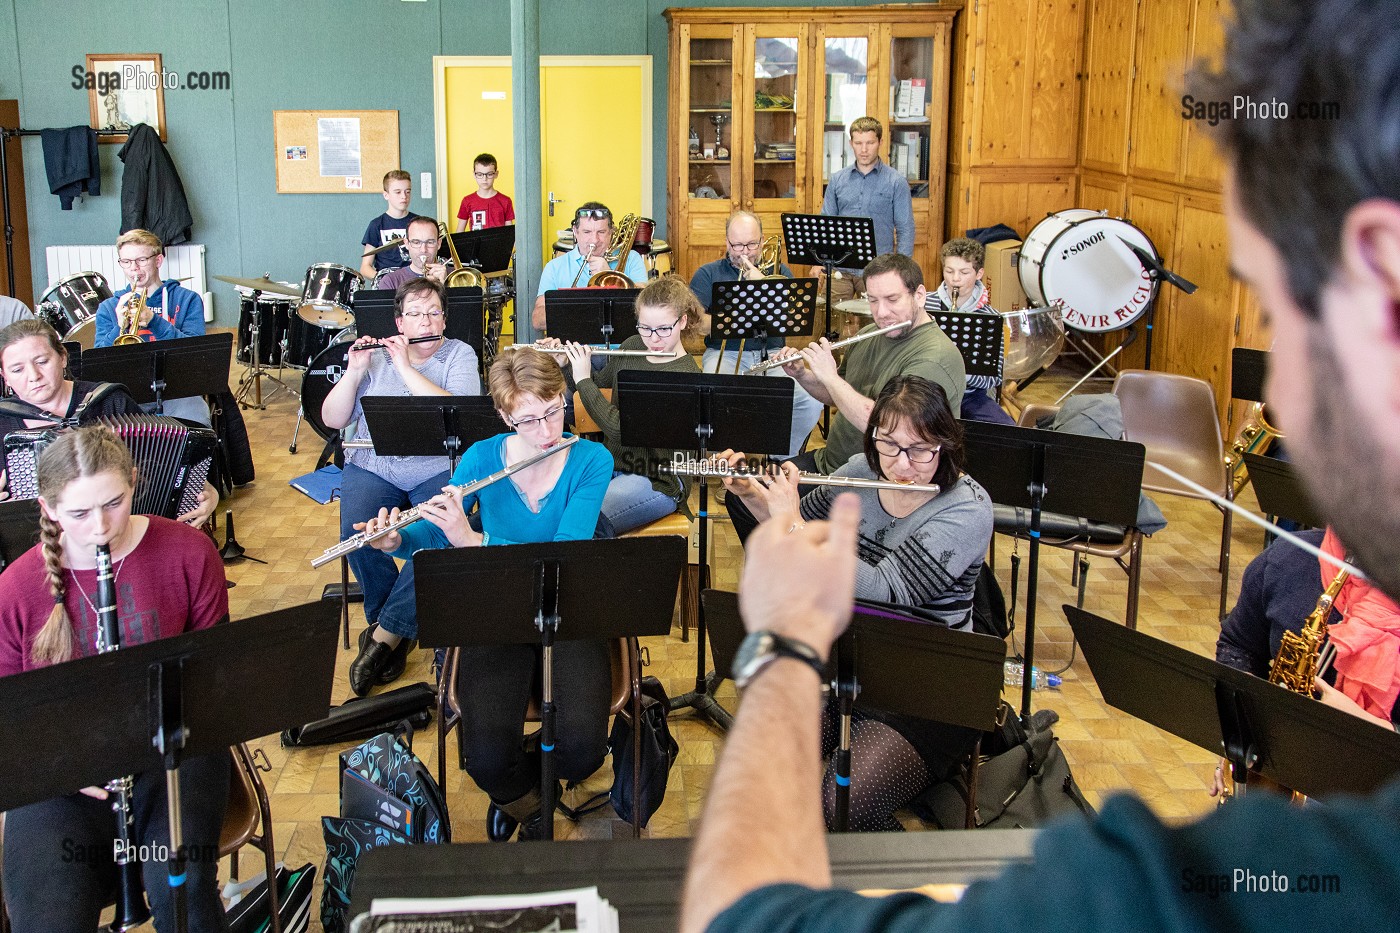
474 116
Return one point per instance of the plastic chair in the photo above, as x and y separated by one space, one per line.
1174 417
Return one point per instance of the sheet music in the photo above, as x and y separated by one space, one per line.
580 910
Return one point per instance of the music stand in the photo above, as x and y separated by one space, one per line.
151 705
540 592
19 528
488 250
153 372
1248 371
604 316
759 309
1046 471
704 412
1260 726
829 242
374 316
897 663
978 337
1280 491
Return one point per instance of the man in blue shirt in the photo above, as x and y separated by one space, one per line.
593 231
870 188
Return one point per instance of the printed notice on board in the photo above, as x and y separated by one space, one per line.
339 142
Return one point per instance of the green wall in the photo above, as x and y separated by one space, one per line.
302 55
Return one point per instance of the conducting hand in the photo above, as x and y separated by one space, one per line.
445 511
387 543
802 584
203 508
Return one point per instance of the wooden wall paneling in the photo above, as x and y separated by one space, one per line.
1055 29
1001 102
1202 165
1103 193
959 204
1110 41
1018 199
1157 129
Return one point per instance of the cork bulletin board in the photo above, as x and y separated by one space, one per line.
334 151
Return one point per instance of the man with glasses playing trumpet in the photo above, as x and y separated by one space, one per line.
417 360
902 341
150 309
593 234
423 242
743 236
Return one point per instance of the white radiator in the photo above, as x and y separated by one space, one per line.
185 261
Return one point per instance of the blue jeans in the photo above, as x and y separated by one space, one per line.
631 502
389 596
806 410
978 405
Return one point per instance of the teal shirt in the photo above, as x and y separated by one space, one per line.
569 512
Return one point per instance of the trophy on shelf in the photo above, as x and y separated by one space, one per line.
719 119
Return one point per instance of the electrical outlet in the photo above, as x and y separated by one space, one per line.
426 184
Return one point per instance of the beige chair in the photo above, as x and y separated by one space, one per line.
1175 418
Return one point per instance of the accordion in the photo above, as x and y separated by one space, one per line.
172 461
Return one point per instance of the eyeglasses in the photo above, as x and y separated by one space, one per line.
422 244
419 315
746 246
663 331
557 412
916 454
485 174
137 261
593 213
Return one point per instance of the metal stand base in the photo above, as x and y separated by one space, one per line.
701 700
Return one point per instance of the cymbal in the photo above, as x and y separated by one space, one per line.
263 284
854 306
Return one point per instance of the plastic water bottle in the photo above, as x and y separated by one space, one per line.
1014 672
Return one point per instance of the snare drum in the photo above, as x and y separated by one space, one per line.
1079 257
70 306
273 315
322 373
327 296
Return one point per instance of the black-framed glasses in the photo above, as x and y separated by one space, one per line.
485 174
592 213
915 452
557 412
663 331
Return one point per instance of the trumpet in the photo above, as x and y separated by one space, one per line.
599 351
408 517
704 468
381 346
774 364
131 319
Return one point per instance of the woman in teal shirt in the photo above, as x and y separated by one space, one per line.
557 499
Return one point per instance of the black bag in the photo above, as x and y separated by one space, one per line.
1025 786
659 750
989 606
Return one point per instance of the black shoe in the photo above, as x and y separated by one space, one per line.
1043 719
500 825
366 669
534 827
365 635
397 661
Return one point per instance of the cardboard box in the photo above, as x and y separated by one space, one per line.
1003 279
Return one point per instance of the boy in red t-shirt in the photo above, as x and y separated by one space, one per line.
485 207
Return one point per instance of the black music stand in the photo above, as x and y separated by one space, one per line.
1280 491
153 372
761 309
895 662
1258 726
1156 273
156 703
488 250
1049 471
374 316
540 592
604 316
704 412
829 242
978 336
19 528
1248 371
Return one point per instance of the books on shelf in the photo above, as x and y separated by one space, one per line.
834 84
907 99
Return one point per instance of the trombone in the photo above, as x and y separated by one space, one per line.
461 276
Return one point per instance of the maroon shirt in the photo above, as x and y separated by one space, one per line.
172 583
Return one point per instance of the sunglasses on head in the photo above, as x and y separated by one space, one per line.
593 213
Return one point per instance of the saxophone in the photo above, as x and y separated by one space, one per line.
1255 437
131 319
1295 667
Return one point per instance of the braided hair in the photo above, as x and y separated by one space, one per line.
83 452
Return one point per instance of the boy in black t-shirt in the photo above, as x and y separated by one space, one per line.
388 226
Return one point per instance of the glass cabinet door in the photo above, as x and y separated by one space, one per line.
776 137
845 97
911 86
711 175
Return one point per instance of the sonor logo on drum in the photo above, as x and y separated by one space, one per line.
1082 245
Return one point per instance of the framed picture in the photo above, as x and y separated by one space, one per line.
127 89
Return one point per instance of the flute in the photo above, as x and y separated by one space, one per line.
601 351
706 468
357 541
379 346
774 364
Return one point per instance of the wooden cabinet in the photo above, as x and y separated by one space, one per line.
760 100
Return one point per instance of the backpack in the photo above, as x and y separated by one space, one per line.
659 750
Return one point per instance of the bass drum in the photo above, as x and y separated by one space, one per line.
323 372
1079 259
70 306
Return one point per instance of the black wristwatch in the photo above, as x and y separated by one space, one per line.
763 647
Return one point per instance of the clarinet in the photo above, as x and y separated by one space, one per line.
131 909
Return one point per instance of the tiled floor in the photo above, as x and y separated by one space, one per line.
1107 750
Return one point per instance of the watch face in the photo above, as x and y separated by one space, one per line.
755 647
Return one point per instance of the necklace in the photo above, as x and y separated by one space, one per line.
115 574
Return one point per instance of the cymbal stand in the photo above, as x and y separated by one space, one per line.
251 380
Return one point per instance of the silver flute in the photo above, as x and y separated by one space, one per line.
600 351
774 364
409 516
704 468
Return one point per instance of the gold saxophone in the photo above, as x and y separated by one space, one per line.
1254 438
1295 667
131 319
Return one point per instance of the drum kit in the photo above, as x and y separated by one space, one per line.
70 306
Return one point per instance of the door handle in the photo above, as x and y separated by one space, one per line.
553 201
